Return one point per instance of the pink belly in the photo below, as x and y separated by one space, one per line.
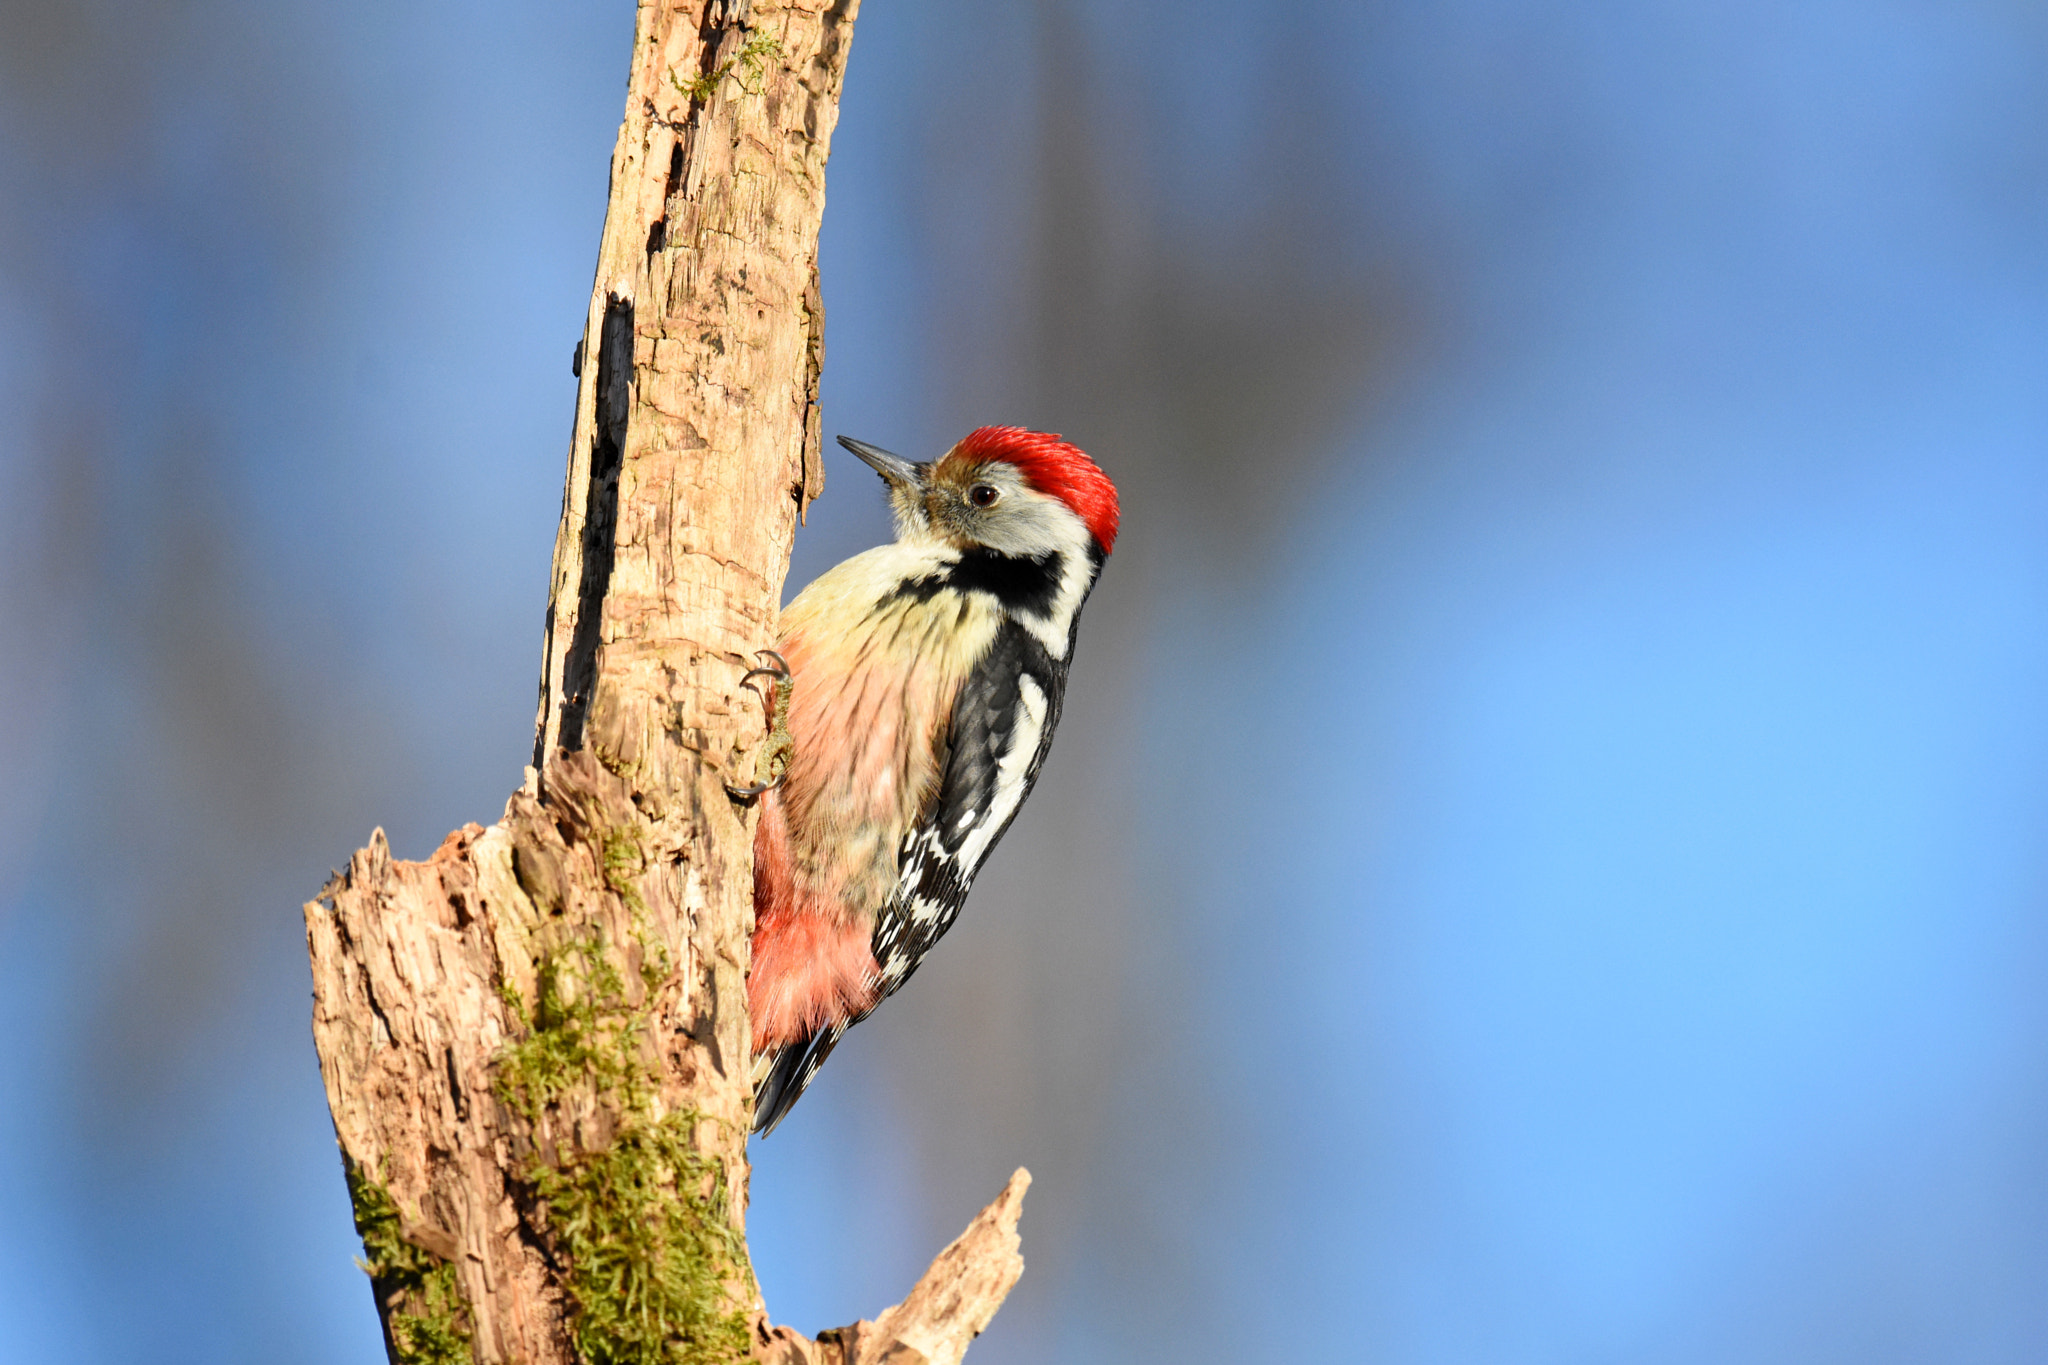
812 962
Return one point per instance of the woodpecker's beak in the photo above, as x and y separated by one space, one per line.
894 469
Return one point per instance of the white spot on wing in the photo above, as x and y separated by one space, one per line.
1011 771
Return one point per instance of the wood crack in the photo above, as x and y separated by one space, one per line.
600 517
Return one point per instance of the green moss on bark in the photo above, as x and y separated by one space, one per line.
643 1226
426 1317
623 860
580 1033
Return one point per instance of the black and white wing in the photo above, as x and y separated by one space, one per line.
1001 729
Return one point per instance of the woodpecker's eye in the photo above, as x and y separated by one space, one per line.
984 495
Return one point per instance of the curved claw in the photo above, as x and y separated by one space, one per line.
749 793
780 672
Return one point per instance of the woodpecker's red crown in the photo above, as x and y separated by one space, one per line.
1051 466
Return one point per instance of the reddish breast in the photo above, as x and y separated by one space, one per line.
812 964
870 696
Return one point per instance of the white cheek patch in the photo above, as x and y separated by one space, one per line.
1055 629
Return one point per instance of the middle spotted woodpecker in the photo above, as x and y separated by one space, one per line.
923 681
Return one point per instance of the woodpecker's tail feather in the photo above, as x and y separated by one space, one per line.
782 1076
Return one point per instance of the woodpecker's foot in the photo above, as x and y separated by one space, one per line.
749 793
778 733
780 672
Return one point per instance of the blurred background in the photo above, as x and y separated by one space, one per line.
1544 860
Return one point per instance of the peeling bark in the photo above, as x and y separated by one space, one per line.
534 1042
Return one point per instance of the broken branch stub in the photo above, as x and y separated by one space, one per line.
949 1307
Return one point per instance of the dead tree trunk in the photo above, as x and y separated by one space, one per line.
535 1043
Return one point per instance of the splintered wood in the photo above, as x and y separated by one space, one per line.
951 1306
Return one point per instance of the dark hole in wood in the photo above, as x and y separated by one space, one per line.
600 517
